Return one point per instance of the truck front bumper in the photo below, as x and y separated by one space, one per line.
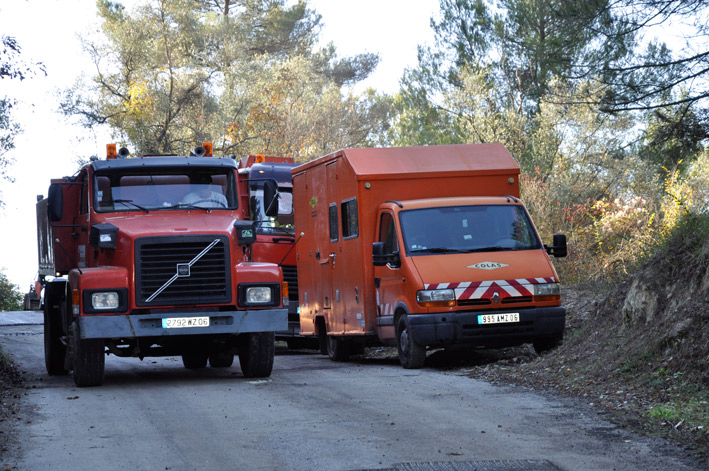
463 328
151 325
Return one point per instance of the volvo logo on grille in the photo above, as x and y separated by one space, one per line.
183 270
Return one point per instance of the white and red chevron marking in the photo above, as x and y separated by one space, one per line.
485 289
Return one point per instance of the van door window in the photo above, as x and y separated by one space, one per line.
333 223
387 233
350 223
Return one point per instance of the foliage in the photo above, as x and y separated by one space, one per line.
241 74
10 295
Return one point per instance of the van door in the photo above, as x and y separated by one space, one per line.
388 279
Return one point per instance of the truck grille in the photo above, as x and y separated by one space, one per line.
290 276
173 268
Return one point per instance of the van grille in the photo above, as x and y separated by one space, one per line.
198 280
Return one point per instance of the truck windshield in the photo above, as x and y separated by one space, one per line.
467 229
136 190
281 224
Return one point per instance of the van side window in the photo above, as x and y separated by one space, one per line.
350 222
387 233
333 223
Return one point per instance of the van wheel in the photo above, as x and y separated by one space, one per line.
221 360
194 361
411 354
337 349
256 352
89 359
54 349
544 344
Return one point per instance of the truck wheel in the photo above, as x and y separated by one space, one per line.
221 360
411 354
544 344
337 349
256 352
88 359
194 361
54 349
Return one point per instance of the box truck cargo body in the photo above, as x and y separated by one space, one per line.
422 247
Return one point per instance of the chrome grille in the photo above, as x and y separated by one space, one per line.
204 279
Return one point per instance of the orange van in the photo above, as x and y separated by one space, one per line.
422 247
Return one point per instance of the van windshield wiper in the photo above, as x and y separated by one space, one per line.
437 250
131 203
495 248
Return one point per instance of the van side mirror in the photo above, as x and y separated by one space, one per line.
558 248
270 198
380 258
55 202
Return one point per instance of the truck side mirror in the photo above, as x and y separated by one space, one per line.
558 248
270 198
55 202
380 258
245 232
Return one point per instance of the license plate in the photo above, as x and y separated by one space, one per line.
180 322
498 318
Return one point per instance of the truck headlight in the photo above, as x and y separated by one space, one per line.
436 297
259 295
547 292
103 301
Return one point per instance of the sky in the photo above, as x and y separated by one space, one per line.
47 30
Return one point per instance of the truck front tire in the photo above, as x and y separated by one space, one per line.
194 361
256 352
88 359
221 360
54 349
411 354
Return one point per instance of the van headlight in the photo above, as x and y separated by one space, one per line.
436 297
547 292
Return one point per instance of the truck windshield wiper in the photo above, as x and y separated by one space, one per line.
131 203
189 205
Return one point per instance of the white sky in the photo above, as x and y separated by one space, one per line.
49 146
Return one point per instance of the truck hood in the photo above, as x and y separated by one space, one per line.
481 275
173 223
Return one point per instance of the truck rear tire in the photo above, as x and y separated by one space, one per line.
256 352
54 349
337 349
194 361
221 360
411 354
88 359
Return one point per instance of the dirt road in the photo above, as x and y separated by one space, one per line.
311 414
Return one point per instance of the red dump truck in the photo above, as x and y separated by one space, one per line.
422 247
151 256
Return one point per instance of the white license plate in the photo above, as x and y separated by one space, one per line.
498 318
179 322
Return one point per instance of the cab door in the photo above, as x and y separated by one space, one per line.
388 279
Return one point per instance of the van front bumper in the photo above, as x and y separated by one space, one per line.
463 328
151 325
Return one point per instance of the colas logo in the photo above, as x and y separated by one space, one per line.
488 265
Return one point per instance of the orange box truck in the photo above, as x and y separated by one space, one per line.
422 247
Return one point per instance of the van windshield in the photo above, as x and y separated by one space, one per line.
467 229
138 190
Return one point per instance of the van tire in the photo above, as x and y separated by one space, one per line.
256 352
544 344
337 348
411 354
88 359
